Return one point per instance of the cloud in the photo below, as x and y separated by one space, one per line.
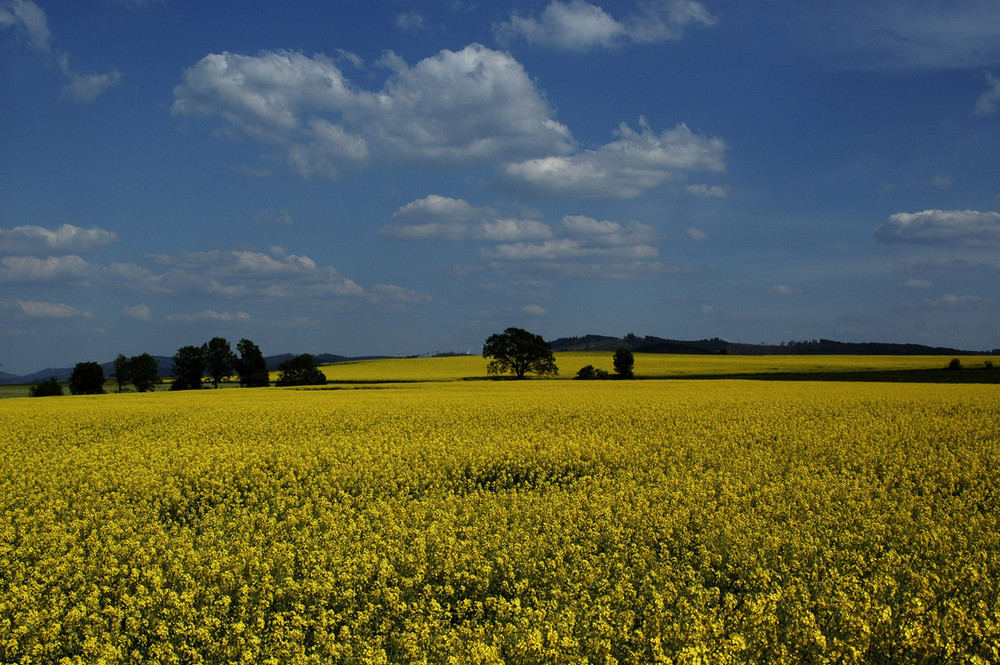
950 301
579 25
715 191
579 246
609 233
67 239
989 101
209 315
33 309
138 312
941 227
625 168
784 290
272 218
86 88
534 310
442 218
30 269
696 234
914 283
27 19
456 108
410 21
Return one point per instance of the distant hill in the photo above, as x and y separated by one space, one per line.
651 344
646 344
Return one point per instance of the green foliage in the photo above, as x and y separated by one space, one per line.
145 372
48 388
300 371
189 366
588 373
519 352
250 366
624 363
219 359
87 379
955 365
122 372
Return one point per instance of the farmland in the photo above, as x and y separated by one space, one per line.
426 518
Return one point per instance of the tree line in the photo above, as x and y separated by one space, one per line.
214 360
514 351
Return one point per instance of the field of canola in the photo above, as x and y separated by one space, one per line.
488 522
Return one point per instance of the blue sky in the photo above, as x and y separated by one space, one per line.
406 178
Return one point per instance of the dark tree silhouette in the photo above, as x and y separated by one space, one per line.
123 371
48 388
145 372
87 379
251 366
519 352
624 363
300 371
189 366
219 359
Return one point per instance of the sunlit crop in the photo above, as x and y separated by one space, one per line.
544 521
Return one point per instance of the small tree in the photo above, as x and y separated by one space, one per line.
219 359
145 372
300 371
189 366
588 373
48 388
123 372
87 379
518 351
624 362
251 365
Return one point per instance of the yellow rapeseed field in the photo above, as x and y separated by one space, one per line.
545 521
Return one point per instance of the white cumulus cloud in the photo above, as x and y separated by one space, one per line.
437 217
579 25
941 227
67 239
635 162
462 107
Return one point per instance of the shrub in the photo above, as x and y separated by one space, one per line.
47 388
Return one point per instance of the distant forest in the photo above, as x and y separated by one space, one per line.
825 347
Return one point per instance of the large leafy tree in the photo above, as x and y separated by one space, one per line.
624 362
123 371
145 372
300 371
519 352
219 359
189 366
251 365
87 379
